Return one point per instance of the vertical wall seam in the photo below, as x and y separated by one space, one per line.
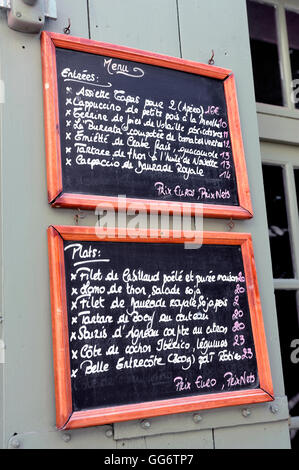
2 366
88 18
179 27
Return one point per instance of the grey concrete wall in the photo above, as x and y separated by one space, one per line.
186 28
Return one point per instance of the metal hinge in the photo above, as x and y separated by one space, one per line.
28 16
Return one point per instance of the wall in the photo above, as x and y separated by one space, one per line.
188 29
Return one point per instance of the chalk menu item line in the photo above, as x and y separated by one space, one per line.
66 416
199 198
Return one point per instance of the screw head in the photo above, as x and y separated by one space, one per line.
18 14
66 437
15 443
109 433
246 412
197 418
274 409
145 424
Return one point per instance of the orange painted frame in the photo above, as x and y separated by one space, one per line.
65 417
56 196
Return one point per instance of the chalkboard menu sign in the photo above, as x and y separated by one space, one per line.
161 132
144 327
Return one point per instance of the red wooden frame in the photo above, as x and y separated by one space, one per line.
65 417
58 198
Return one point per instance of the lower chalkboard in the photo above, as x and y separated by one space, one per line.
152 321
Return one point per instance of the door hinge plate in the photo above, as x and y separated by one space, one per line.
28 16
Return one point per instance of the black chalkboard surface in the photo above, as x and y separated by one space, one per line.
153 321
173 327
145 128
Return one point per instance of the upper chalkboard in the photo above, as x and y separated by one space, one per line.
144 327
133 126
